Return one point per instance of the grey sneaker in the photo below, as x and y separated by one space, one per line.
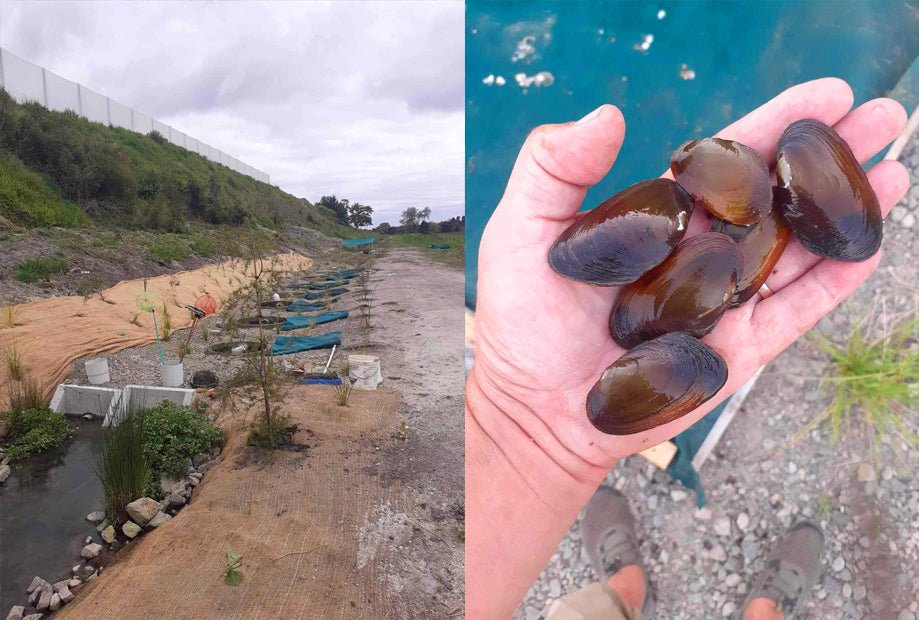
608 532
792 571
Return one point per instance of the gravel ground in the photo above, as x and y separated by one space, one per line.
758 482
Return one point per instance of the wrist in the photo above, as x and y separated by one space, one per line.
519 500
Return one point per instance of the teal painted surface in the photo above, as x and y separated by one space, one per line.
353 242
743 53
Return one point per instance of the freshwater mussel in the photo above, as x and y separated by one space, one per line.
654 383
688 292
825 195
625 236
727 178
759 248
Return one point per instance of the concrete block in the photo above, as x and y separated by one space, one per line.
83 399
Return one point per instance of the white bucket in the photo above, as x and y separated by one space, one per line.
173 374
97 370
364 371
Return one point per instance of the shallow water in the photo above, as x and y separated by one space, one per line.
43 506
738 54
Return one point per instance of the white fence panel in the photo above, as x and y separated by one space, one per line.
94 105
120 115
142 123
62 94
177 137
22 79
161 128
26 81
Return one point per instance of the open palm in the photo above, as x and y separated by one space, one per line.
543 339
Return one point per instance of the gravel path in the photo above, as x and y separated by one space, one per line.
758 482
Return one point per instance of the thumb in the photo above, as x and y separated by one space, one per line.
558 163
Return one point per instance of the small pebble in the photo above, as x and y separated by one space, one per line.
838 564
743 521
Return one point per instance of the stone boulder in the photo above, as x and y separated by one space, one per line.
16 612
108 534
142 510
96 517
159 519
65 594
33 617
130 529
44 600
176 499
55 602
4 473
37 583
91 550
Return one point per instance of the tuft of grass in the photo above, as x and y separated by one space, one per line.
232 576
9 314
35 269
122 465
168 249
24 394
280 432
15 368
343 392
183 350
167 323
874 382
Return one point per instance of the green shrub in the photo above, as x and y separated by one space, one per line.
41 268
35 430
26 199
204 247
167 250
172 435
123 466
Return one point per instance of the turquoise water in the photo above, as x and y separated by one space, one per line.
742 53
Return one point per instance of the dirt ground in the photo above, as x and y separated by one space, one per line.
372 515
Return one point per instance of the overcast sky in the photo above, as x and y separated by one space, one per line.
363 100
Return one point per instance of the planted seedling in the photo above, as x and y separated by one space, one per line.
232 576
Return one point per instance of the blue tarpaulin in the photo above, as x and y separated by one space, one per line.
284 345
301 305
332 292
440 246
347 243
321 286
296 322
344 274
317 381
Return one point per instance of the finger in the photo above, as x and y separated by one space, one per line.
559 162
796 308
826 99
889 179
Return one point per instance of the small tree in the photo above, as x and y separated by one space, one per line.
339 207
360 215
409 219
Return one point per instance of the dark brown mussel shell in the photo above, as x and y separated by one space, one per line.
727 178
625 236
759 247
688 292
654 383
824 194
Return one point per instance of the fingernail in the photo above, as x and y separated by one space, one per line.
590 116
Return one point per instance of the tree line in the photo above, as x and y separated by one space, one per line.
412 219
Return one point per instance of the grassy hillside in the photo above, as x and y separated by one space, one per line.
58 169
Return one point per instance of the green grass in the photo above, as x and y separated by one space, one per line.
122 466
58 169
456 240
26 199
168 249
36 269
873 382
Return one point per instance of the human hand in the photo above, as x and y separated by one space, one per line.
543 340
